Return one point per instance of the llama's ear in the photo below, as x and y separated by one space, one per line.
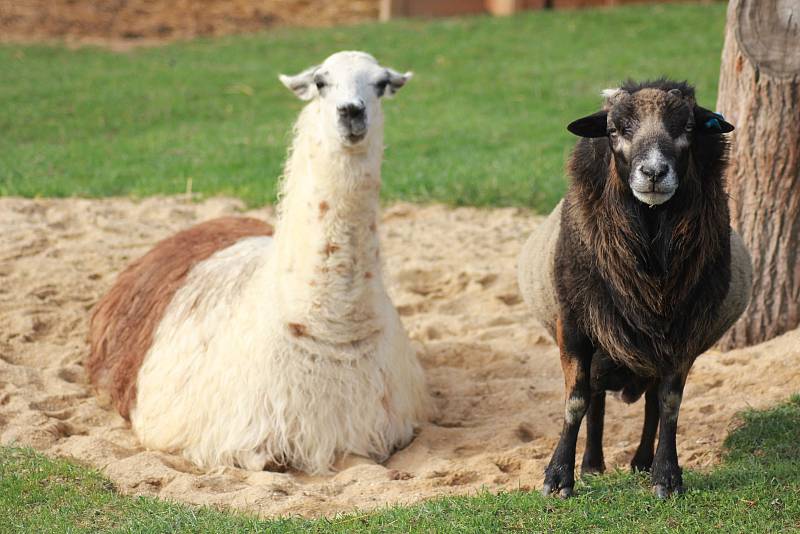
396 81
594 125
301 84
709 123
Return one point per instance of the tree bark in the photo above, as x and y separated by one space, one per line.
759 92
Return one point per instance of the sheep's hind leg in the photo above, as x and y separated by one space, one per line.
593 462
643 459
666 473
576 359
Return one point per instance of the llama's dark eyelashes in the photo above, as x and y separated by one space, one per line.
381 86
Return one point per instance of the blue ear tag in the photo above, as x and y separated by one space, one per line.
713 123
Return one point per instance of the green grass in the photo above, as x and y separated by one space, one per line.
756 489
483 122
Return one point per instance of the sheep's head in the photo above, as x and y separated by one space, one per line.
348 87
650 128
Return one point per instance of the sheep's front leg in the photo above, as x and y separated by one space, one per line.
666 473
576 359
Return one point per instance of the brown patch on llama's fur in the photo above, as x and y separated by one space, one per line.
330 248
297 329
124 321
323 209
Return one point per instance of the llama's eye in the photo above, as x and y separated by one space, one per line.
320 84
689 127
612 132
381 86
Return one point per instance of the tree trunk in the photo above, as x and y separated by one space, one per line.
759 92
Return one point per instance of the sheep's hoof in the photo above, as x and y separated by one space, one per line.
667 480
592 470
563 493
663 492
639 466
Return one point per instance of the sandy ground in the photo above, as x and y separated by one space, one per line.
494 372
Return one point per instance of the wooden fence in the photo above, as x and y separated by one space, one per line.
442 8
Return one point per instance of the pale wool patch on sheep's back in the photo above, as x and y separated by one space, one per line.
124 321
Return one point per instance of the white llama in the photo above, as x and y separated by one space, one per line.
236 348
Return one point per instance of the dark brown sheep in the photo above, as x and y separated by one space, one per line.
633 272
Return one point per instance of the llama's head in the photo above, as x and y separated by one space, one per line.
348 87
650 128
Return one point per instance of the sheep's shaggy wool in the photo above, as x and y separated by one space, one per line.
536 278
641 268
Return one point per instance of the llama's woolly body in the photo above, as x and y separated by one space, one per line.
288 351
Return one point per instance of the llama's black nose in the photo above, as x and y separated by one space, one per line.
655 172
352 110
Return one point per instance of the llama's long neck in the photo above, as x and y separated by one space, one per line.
326 237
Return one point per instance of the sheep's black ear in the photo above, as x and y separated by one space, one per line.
709 123
594 125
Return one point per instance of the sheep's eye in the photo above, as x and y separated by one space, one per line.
320 84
